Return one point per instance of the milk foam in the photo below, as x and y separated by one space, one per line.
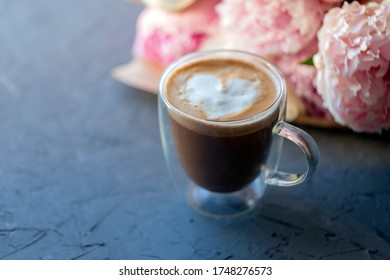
217 99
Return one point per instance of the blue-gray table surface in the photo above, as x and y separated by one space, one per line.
82 174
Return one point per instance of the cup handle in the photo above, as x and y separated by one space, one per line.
307 145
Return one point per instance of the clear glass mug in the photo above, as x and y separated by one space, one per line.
223 175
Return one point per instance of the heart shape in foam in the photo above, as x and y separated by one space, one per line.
206 92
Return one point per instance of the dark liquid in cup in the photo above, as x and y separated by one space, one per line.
216 151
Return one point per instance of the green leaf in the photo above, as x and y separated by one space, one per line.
308 61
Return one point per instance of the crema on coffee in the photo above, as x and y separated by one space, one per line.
221 89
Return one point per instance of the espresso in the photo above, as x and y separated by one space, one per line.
224 135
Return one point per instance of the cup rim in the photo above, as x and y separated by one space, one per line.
188 57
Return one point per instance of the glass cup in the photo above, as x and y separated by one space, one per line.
223 167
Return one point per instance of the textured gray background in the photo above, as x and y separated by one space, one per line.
82 175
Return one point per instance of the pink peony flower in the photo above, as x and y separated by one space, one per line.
268 27
353 68
163 36
301 78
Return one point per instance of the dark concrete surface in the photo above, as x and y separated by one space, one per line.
82 174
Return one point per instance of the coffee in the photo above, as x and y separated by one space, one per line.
224 135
